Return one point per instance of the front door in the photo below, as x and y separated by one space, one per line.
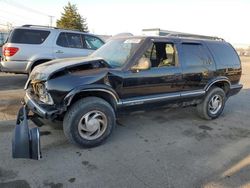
163 78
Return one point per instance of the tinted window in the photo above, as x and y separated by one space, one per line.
70 40
28 36
194 54
224 54
93 42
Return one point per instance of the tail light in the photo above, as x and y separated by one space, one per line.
10 51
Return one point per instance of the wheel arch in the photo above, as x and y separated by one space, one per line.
104 94
222 82
35 63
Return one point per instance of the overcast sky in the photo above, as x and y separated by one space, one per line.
228 19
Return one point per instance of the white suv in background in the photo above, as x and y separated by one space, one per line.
29 45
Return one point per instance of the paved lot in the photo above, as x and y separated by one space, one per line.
171 148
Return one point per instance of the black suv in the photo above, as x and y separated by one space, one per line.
127 73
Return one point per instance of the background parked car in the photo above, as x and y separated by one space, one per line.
3 37
29 45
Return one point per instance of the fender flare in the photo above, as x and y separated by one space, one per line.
82 89
216 80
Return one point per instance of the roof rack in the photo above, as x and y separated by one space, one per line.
186 35
43 26
161 32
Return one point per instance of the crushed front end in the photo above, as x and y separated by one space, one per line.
37 104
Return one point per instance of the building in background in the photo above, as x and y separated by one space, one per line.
242 49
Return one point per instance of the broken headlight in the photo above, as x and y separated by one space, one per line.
42 93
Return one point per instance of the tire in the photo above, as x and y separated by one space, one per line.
206 109
100 118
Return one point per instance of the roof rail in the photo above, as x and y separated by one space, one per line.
43 26
162 32
187 35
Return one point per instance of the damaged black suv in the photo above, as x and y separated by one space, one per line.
128 73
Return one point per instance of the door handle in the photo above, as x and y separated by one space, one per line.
59 52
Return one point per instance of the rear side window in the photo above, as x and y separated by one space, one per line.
224 54
28 36
70 40
194 54
76 40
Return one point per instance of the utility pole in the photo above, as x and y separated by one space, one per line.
9 26
51 20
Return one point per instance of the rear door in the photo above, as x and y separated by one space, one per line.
198 65
69 44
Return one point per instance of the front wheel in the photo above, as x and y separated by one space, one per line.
89 122
213 104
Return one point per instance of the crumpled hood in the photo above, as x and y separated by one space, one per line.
44 71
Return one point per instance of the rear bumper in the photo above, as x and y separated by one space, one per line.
234 89
46 111
14 66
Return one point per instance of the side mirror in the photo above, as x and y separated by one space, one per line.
143 64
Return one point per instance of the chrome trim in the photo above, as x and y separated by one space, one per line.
164 96
207 87
192 93
104 90
28 100
38 147
27 84
141 101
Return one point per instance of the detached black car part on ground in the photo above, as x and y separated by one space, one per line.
128 73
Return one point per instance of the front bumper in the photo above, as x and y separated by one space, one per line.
25 141
44 111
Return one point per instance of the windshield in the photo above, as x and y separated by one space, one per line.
117 52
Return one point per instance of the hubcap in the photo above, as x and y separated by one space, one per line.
92 125
215 104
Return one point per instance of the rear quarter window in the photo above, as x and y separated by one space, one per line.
224 54
28 36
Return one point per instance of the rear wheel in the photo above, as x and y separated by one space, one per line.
89 122
213 104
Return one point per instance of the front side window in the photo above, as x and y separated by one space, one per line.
92 43
162 54
28 36
118 51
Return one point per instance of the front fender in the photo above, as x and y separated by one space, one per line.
93 88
